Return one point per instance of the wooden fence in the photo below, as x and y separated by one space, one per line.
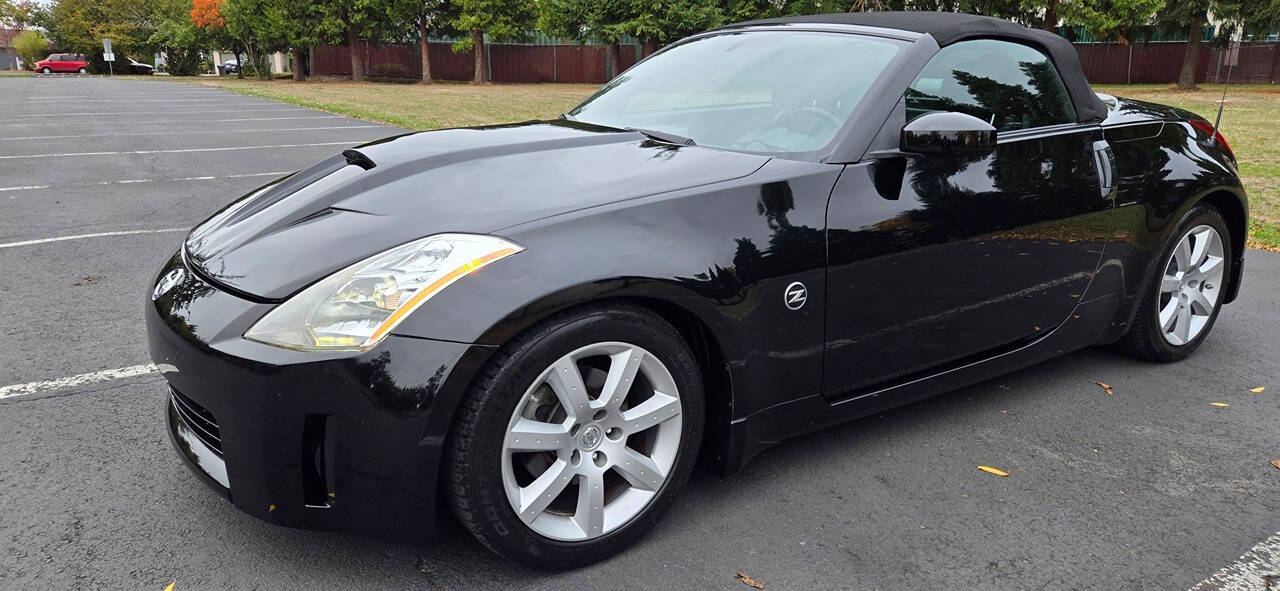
1104 63
507 62
1159 63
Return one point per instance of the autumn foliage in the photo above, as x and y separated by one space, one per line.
206 13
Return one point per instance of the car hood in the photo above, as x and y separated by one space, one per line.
293 232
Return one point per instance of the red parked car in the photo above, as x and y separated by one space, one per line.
63 62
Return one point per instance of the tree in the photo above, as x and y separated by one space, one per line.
608 21
32 47
425 17
20 15
499 19
347 21
663 22
1104 18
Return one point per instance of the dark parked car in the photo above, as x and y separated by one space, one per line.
229 67
757 232
62 62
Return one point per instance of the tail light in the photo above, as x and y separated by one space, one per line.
1209 130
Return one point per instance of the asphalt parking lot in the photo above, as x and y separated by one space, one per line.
1148 488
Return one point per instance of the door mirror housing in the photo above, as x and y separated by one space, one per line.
948 132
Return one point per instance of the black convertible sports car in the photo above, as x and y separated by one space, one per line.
757 232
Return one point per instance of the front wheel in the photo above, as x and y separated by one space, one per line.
82 71
46 70
576 437
1185 295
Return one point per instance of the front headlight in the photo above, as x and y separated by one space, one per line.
357 307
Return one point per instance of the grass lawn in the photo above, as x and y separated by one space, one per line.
1252 117
415 106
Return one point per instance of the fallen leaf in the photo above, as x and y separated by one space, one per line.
1276 462
1105 387
1219 404
750 582
1258 390
170 587
996 471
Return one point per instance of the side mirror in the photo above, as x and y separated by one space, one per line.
948 132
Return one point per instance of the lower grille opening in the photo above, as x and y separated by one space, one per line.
199 419
317 461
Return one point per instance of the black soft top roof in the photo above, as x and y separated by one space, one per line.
949 27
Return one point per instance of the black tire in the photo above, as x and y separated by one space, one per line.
473 454
46 70
82 71
1145 339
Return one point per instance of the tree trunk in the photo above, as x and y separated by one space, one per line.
482 69
650 46
298 74
1050 16
1191 56
426 55
615 56
253 59
357 64
239 67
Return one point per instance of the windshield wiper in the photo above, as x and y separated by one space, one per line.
663 136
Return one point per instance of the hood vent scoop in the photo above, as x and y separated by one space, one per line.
355 158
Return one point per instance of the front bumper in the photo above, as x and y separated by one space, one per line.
347 442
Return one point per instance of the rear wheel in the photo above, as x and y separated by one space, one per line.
1184 297
576 437
82 71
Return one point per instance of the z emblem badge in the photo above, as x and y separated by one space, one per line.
795 295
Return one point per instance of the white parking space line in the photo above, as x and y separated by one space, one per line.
59 137
180 151
133 181
94 101
276 109
4 245
1257 570
79 380
189 121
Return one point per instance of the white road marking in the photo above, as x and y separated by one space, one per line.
4 245
73 381
180 151
26 188
59 137
189 121
1247 573
274 109
132 181
143 100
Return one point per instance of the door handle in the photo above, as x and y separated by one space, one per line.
1104 160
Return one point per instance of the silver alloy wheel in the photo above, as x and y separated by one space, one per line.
591 441
1191 285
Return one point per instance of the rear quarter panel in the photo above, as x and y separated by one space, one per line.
1164 166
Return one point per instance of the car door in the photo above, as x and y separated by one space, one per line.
973 255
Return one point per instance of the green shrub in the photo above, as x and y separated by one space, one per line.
32 47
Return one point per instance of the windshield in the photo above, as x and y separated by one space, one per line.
759 91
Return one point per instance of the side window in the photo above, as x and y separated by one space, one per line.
1008 85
